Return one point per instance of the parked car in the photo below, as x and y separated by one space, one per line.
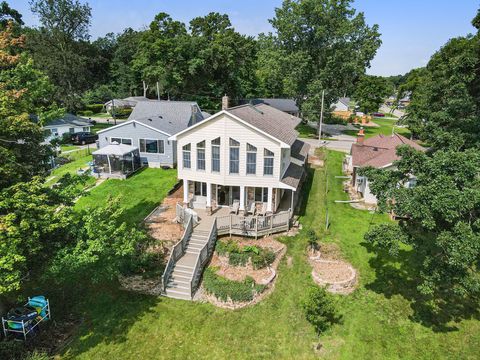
84 138
377 114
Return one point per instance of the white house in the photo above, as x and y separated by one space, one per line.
378 152
342 104
68 124
247 154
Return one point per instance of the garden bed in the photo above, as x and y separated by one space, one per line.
242 272
329 270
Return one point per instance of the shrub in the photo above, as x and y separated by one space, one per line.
227 247
263 259
312 238
85 113
238 259
320 309
95 108
148 265
224 289
251 248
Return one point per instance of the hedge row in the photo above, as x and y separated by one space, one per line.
225 289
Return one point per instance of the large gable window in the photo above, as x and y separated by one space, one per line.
268 158
251 159
151 146
234 156
187 164
216 155
201 155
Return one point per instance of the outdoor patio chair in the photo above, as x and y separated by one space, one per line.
252 209
235 206
263 211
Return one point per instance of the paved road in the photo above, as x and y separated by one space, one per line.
342 142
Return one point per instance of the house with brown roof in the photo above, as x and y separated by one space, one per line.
378 152
247 155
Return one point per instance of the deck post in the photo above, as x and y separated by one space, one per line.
185 191
256 228
230 229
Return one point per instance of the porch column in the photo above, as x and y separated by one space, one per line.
185 191
209 198
291 205
242 198
270 199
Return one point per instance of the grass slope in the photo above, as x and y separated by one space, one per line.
138 194
377 319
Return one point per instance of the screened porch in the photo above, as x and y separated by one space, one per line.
116 161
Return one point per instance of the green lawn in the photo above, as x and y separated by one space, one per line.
80 160
385 128
138 195
68 147
377 318
101 126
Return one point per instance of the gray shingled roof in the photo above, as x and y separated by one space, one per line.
287 105
293 176
299 150
69 120
274 122
170 117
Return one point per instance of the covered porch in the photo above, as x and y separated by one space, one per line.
243 200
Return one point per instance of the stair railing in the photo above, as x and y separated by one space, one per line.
178 251
202 259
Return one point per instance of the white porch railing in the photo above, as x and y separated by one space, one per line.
253 225
178 251
203 258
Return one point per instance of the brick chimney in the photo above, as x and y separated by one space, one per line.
225 102
360 136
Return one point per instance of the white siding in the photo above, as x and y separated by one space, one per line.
226 128
65 130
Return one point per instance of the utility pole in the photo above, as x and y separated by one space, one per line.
158 91
321 119
113 112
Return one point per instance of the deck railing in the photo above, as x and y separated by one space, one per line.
253 225
203 257
178 250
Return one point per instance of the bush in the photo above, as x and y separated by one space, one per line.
263 259
238 259
312 239
225 289
94 108
122 112
226 247
320 309
85 113
148 265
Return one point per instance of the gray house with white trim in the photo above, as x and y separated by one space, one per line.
150 125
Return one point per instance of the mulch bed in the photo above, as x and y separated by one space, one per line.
329 270
266 276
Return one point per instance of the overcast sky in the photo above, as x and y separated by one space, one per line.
412 30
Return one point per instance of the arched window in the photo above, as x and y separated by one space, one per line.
234 156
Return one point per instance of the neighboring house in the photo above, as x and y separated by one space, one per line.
68 124
378 152
342 104
127 103
286 105
247 155
150 125
341 108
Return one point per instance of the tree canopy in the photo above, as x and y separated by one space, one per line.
370 91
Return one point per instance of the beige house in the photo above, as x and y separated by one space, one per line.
246 156
379 152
